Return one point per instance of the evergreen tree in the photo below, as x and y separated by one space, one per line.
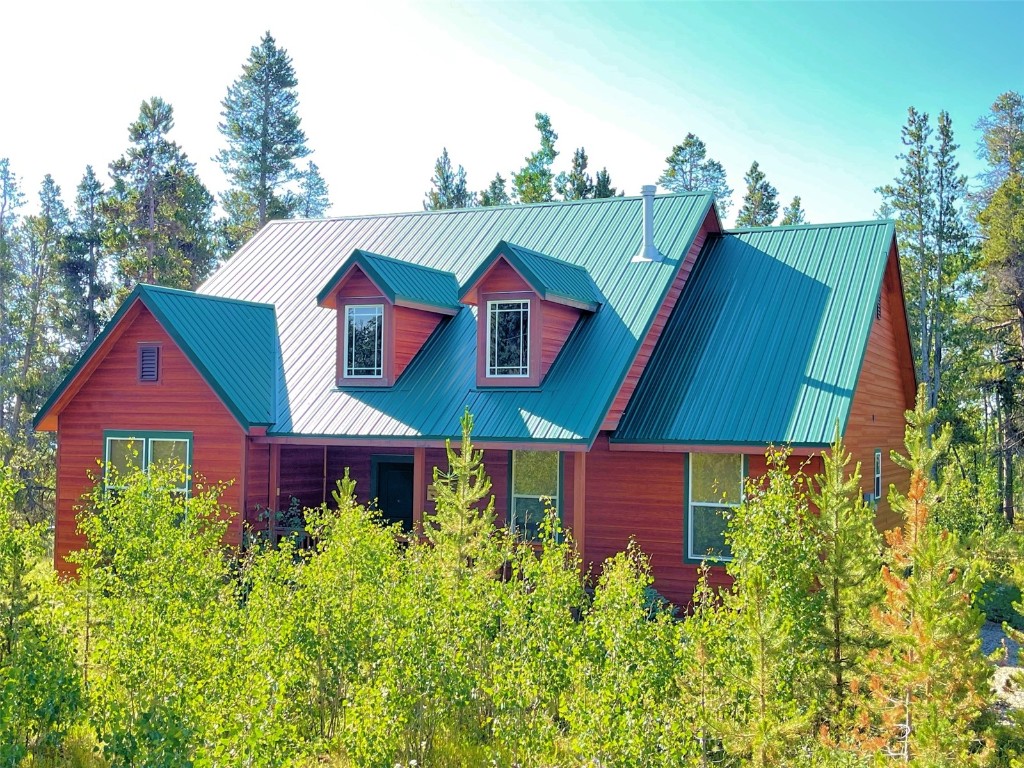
689 169
449 187
84 266
264 140
577 184
313 200
11 199
603 186
929 683
761 201
533 182
1002 141
848 570
158 213
793 213
495 193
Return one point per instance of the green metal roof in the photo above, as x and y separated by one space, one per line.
767 341
289 262
401 281
232 343
552 279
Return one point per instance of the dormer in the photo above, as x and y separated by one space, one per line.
527 305
386 311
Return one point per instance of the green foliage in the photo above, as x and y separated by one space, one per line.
603 186
689 169
313 200
449 188
760 202
40 692
577 184
533 182
793 213
495 193
264 138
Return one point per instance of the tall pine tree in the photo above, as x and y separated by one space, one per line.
577 184
689 169
761 201
603 186
449 188
495 193
794 213
313 200
533 182
11 199
264 140
84 265
158 213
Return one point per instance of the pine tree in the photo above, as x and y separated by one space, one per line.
158 213
761 201
84 266
1002 141
793 213
577 184
603 186
11 199
264 140
848 570
313 200
449 187
927 686
533 182
495 193
689 169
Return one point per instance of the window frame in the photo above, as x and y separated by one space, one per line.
689 504
382 357
144 438
878 474
556 500
525 303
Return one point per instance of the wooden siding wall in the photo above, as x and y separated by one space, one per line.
611 421
412 328
112 398
885 390
557 322
501 278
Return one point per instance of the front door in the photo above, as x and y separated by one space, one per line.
394 490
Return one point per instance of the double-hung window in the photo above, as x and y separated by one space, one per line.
508 338
125 452
878 474
535 485
364 341
715 489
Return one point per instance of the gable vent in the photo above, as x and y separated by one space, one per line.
149 363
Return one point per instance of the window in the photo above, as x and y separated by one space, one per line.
508 338
364 341
878 474
535 485
149 363
127 451
715 489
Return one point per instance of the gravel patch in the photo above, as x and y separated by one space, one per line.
1008 692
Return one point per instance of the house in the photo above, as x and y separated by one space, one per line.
626 358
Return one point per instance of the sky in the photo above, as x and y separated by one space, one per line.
816 92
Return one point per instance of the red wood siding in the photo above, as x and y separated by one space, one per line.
111 398
500 278
356 285
885 390
412 328
557 322
611 420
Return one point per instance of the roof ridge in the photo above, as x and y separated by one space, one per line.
824 225
402 262
148 288
481 208
549 257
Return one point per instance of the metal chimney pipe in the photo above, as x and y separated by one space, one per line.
648 252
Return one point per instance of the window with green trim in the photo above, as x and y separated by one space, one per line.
535 485
124 452
715 489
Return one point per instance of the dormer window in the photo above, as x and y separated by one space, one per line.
364 341
386 311
527 306
508 338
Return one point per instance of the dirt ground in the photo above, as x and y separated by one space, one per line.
993 638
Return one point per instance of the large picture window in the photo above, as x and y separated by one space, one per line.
508 338
364 341
125 452
535 483
715 489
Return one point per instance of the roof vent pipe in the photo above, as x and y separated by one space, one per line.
647 251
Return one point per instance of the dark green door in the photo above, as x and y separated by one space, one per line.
394 492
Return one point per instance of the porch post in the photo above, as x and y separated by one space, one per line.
579 504
275 476
419 487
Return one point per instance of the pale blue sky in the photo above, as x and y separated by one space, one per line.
816 92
